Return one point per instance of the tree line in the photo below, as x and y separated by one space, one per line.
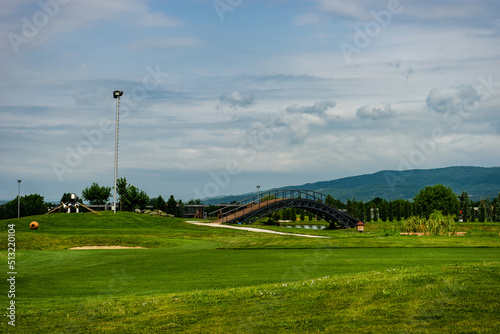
30 205
129 199
428 200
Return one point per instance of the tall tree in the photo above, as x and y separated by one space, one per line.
398 208
482 211
407 209
135 198
180 209
360 211
310 216
488 208
96 194
161 205
368 212
121 189
465 206
437 197
172 206
382 207
390 211
329 200
495 211
349 206
473 213
158 203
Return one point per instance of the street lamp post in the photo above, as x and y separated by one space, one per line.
116 95
18 198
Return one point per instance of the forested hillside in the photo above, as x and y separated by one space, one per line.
479 182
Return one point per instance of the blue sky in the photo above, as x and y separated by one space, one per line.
222 96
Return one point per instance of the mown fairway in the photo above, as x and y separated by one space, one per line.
207 280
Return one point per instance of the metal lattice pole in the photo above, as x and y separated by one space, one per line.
116 95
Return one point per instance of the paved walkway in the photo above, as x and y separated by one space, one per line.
253 229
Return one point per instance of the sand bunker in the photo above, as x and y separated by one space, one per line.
105 247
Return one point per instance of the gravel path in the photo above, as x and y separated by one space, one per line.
253 229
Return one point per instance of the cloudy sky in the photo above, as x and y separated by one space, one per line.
222 96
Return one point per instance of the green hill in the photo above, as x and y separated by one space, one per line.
479 182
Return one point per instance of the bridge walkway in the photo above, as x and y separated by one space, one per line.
260 205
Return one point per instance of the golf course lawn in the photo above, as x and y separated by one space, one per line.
198 279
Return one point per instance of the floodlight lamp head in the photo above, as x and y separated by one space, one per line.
117 94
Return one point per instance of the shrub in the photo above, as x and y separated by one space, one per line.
436 224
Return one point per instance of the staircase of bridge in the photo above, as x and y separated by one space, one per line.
262 204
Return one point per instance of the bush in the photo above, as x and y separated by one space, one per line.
436 224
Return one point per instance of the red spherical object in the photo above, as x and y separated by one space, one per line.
34 225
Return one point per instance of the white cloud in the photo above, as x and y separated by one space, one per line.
375 111
427 9
38 24
300 119
135 12
453 99
319 107
236 100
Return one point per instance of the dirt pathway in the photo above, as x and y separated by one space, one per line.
253 229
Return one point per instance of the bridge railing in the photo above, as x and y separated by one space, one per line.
231 211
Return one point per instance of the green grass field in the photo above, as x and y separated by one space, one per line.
197 279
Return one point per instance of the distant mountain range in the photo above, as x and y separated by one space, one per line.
479 182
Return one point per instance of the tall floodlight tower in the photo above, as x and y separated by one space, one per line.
116 95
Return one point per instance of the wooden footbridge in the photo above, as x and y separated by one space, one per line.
260 205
